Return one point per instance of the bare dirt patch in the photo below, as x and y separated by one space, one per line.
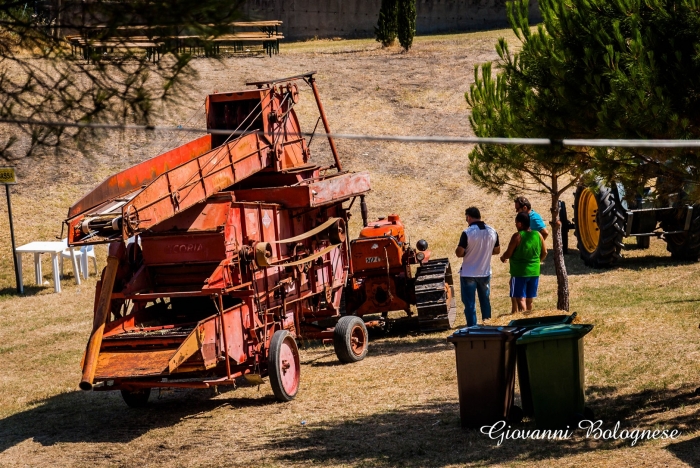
399 406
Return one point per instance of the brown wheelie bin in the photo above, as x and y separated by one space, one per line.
486 374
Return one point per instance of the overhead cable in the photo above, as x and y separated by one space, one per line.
441 139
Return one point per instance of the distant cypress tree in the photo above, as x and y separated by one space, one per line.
386 28
406 22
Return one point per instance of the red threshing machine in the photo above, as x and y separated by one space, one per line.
222 253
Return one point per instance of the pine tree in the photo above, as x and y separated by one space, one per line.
593 69
406 22
43 79
386 28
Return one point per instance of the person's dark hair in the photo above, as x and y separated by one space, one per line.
522 201
524 219
473 212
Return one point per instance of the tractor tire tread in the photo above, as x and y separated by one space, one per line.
611 227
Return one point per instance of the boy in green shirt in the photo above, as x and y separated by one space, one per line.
526 251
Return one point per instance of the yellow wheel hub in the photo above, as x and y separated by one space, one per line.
588 230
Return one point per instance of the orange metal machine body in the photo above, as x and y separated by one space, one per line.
383 280
223 253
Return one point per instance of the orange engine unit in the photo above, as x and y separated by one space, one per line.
383 279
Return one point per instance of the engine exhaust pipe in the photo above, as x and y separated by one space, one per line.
363 211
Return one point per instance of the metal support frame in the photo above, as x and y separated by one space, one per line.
632 213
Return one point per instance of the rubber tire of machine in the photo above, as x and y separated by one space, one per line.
136 398
610 222
685 246
283 346
347 328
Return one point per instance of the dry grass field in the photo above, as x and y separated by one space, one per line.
399 406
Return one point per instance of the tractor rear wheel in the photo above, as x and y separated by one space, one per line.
350 339
685 246
283 366
599 226
136 398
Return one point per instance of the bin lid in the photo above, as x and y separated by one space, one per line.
535 322
555 332
484 332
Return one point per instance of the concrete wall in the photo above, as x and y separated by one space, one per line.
304 19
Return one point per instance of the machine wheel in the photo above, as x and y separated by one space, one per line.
685 246
599 226
136 398
283 366
350 339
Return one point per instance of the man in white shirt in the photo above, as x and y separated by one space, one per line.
476 246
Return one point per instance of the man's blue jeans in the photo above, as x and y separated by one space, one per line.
470 287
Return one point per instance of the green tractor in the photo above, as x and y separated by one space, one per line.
603 216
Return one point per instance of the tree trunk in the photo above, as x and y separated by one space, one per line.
559 265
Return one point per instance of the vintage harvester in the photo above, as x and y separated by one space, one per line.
225 251
222 253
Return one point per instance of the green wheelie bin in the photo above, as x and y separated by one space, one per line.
556 372
486 374
525 325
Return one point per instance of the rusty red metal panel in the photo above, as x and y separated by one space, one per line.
295 152
269 223
188 248
136 176
318 193
207 216
193 182
338 188
235 338
115 364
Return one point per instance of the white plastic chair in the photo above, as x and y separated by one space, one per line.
81 256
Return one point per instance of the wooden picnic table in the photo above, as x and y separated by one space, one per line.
267 34
240 24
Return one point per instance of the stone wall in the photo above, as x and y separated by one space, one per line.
304 19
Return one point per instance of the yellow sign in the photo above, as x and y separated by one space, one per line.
7 175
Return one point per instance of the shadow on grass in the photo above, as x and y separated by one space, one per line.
385 347
425 435
423 345
575 266
687 451
102 417
10 293
430 434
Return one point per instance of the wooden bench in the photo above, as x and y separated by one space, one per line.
267 34
212 46
88 48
